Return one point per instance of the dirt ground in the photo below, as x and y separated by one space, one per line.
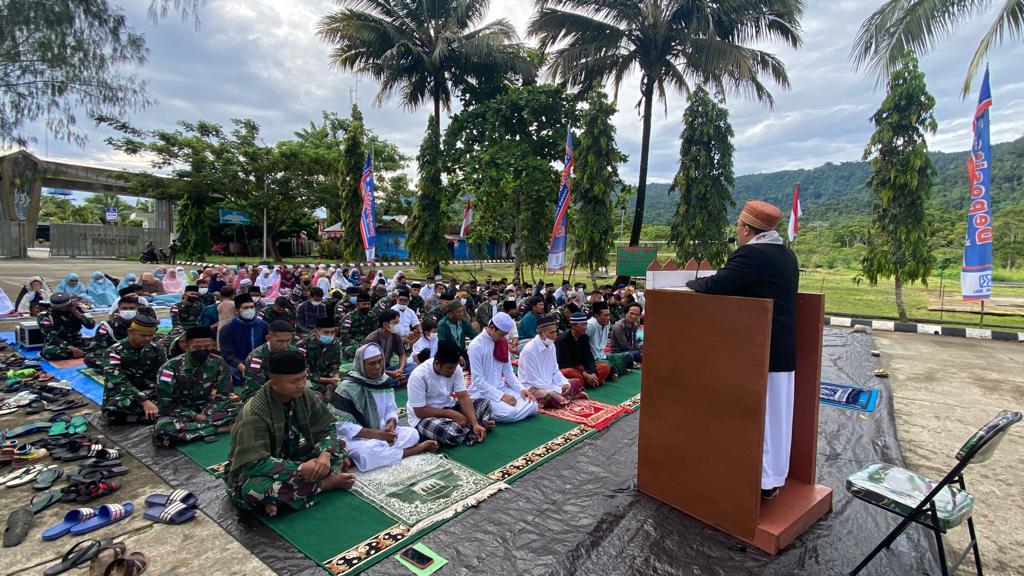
944 389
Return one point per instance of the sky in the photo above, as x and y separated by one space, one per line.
260 59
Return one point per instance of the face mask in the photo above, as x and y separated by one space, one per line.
352 300
98 280
191 298
199 356
463 300
326 338
545 341
393 327
204 290
428 336
248 313
401 307
316 302
127 314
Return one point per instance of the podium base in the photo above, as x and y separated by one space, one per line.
797 506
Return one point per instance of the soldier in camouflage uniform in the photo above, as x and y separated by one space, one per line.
186 314
302 458
346 305
616 308
357 326
439 312
380 292
323 357
564 313
112 330
279 338
279 310
62 328
416 303
191 393
206 297
130 369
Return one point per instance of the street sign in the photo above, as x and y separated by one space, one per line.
634 260
233 217
110 215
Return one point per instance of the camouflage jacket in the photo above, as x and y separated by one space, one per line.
357 326
113 330
383 304
132 371
416 303
322 360
256 365
186 314
208 298
436 314
343 309
183 389
269 315
59 327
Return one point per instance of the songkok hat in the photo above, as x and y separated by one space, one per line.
325 323
453 305
503 322
198 332
129 289
403 292
492 293
281 301
287 362
546 321
242 299
446 295
598 306
760 215
416 285
128 299
191 288
281 326
352 290
60 299
578 318
363 297
145 324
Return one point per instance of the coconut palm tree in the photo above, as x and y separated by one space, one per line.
672 44
921 25
424 50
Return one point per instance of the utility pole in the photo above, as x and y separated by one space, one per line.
265 187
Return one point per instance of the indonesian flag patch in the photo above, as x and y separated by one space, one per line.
166 376
256 363
114 358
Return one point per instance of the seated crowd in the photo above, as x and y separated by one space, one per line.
260 354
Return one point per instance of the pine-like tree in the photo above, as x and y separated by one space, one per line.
350 206
596 177
427 227
704 181
901 182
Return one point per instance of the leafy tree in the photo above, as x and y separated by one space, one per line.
398 198
901 182
704 181
61 58
923 25
351 206
672 43
98 203
595 179
620 204
1008 237
426 240
63 211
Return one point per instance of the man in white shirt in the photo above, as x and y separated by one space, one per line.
538 369
493 378
439 405
408 323
367 414
425 348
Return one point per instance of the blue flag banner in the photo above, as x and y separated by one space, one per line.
556 254
368 216
976 274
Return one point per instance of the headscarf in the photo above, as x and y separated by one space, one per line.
394 281
353 401
242 274
129 278
159 272
76 290
172 283
322 282
339 281
27 295
101 291
215 282
357 374
263 280
288 280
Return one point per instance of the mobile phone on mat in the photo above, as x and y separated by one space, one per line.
416 558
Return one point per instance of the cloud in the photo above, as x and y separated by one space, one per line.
260 59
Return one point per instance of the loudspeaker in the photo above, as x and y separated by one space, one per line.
29 335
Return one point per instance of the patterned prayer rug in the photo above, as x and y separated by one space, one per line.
424 489
846 396
589 413
69 363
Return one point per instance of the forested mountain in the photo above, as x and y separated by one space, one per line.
836 191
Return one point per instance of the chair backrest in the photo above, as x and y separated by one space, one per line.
983 443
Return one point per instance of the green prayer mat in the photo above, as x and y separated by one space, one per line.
619 391
424 489
209 456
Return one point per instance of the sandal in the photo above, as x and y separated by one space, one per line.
106 515
107 556
18 523
26 475
35 406
89 491
43 500
95 451
174 513
26 429
184 496
71 519
77 555
133 564
47 476
67 404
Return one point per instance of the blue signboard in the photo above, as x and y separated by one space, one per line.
233 217
111 214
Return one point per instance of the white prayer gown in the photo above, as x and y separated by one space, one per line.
368 454
492 380
538 367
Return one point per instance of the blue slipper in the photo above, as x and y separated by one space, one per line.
71 519
106 515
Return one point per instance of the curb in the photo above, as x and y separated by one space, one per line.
933 329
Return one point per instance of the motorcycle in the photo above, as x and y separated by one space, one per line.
148 256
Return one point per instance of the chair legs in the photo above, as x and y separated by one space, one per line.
943 564
889 538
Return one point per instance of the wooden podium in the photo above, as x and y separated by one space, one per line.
702 423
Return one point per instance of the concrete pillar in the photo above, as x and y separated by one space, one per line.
165 215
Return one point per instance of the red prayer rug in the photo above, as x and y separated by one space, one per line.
588 412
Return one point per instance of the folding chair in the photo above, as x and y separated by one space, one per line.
937 506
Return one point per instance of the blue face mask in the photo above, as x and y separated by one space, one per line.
351 299
326 338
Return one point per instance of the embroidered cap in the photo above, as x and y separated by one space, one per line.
760 215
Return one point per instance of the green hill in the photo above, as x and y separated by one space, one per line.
836 191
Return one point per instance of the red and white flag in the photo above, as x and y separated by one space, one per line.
467 219
794 215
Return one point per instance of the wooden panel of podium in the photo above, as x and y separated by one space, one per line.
705 375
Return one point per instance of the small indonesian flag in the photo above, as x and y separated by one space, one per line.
256 363
114 359
166 376
467 219
794 215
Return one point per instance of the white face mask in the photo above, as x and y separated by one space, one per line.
204 290
463 300
401 307
127 314
545 341
428 336
248 313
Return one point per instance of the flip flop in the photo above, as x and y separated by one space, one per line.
71 519
11 475
77 555
35 455
66 404
78 424
18 523
47 476
106 515
43 500
96 451
59 417
107 556
133 564
83 493
184 496
26 429
27 475
7 408
175 513
35 406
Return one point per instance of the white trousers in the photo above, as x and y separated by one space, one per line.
372 454
778 429
502 412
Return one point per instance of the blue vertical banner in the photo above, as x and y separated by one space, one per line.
556 254
368 216
976 274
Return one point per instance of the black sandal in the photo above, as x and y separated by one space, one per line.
18 524
77 555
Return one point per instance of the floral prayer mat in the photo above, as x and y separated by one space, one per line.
424 489
589 413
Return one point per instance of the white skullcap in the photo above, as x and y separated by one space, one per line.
503 322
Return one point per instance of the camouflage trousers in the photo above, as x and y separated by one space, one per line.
93 358
348 350
278 482
62 350
122 409
181 428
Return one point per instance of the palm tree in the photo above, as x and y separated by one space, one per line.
921 25
672 43
423 49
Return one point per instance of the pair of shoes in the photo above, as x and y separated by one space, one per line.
770 493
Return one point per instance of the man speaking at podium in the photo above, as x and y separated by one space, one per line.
763 267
